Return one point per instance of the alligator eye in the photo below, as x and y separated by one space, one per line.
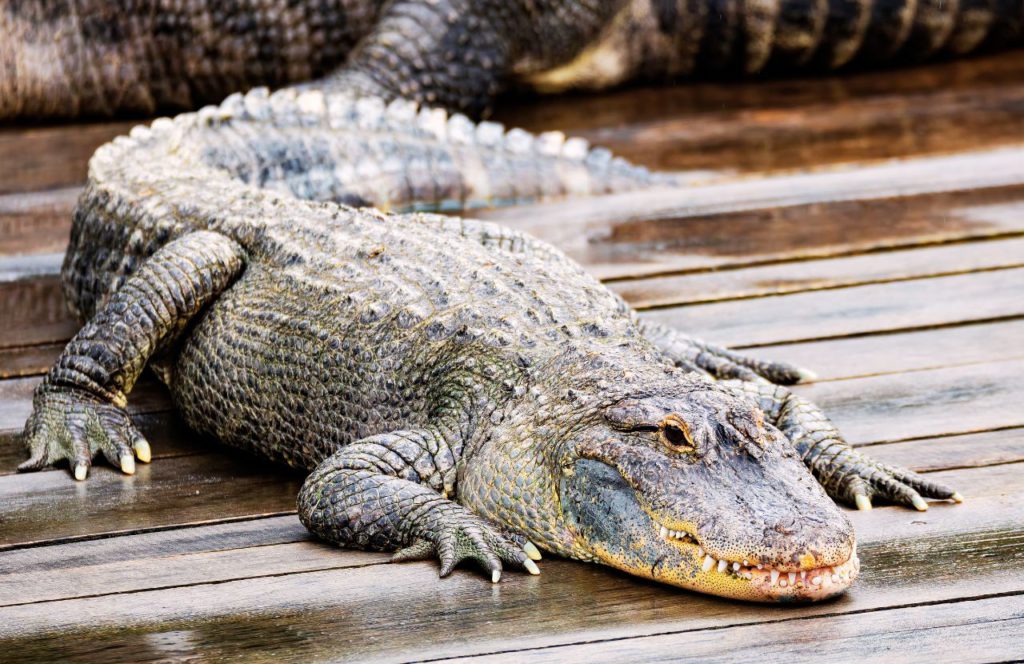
676 435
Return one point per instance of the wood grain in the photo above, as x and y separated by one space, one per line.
354 614
902 352
852 311
983 631
36 222
51 157
803 276
795 123
799 216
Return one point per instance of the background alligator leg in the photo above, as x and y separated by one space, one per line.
696 355
846 474
388 492
78 409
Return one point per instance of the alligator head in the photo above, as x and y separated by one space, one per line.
690 486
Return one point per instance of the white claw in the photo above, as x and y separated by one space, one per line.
957 497
531 567
128 464
143 451
496 576
532 551
81 471
709 562
919 504
863 502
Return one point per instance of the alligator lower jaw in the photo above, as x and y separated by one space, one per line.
768 583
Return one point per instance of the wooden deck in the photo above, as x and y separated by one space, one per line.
870 227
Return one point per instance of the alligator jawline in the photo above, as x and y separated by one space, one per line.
819 578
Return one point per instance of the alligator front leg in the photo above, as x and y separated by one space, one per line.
79 408
695 355
388 492
846 474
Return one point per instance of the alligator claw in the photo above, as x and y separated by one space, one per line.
468 537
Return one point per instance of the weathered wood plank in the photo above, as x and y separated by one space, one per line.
935 402
37 222
396 612
48 157
806 215
851 311
34 312
782 124
971 450
173 491
983 630
904 351
803 276
28 360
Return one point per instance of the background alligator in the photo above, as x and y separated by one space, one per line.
457 389
72 57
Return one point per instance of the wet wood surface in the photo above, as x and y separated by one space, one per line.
870 227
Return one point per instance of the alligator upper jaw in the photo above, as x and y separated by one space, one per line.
744 579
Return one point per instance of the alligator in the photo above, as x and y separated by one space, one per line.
455 389
97 57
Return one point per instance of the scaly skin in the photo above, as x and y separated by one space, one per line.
456 389
64 58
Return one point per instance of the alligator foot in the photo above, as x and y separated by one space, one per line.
847 475
721 363
465 536
69 426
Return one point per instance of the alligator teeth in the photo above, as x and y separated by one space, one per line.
722 564
700 552
709 562
792 578
664 531
775 576
735 567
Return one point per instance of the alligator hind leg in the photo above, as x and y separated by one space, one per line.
388 492
846 474
79 408
721 363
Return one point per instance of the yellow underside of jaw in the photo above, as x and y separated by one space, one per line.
742 579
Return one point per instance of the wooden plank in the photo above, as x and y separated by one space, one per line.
397 612
795 123
808 215
35 312
48 157
803 276
984 630
27 361
905 351
852 311
935 402
182 490
970 450
37 222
